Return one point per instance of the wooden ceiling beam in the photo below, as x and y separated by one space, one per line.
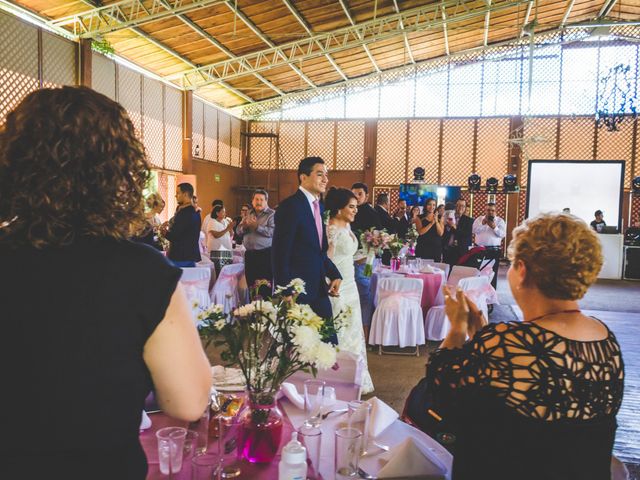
345 8
254 28
294 11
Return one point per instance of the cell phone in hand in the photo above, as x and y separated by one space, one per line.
490 218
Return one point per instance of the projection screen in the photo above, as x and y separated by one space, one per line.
582 186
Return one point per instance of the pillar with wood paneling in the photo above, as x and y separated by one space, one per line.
514 167
187 129
85 58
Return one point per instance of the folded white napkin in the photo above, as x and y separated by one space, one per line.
410 459
289 390
145 421
226 376
427 269
382 416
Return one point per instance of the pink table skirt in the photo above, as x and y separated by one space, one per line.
431 284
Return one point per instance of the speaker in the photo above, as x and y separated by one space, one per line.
631 268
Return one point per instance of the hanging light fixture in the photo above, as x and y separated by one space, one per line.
492 185
510 183
616 98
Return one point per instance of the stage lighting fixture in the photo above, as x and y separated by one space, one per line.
474 183
509 183
418 174
635 185
492 185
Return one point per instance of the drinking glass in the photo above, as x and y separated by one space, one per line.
313 400
347 451
190 448
311 438
170 449
201 426
359 414
228 430
204 467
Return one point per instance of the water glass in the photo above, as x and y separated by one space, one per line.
228 431
313 400
311 438
170 449
347 451
204 467
190 448
201 426
359 415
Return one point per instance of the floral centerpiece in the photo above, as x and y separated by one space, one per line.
373 241
412 237
395 245
269 340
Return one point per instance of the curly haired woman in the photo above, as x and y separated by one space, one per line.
91 321
533 399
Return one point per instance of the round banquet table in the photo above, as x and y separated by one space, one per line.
431 287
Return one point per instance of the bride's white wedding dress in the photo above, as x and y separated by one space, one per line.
342 247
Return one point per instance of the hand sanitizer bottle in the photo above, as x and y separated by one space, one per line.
293 464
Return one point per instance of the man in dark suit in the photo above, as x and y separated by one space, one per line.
299 248
458 234
366 217
401 219
183 231
382 209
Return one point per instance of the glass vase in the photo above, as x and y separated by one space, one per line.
395 264
260 429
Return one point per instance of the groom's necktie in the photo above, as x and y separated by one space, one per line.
317 217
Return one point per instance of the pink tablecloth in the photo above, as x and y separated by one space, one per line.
431 285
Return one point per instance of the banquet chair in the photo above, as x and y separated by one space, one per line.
397 319
436 323
459 272
347 377
195 281
231 289
444 267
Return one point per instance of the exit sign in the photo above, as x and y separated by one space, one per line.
216 178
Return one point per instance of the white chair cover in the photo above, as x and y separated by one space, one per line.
444 267
231 289
458 272
350 371
436 323
195 281
397 319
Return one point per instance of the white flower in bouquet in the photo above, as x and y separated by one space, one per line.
244 311
294 286
305 315
326 356
220 324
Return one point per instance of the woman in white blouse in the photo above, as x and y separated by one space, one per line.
218 229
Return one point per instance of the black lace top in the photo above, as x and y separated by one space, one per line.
526 403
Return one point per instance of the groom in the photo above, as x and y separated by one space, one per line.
299 248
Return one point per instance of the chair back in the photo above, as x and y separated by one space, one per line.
473 283
195 281
230 289
350 371
410 288
459 272
444 267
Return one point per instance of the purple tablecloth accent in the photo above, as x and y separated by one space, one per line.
431 284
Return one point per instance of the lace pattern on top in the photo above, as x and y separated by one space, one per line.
536 372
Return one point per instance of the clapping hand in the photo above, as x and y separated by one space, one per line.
464 315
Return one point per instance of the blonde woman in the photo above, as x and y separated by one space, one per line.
533 399
155 205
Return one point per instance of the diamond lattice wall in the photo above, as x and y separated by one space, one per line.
224 138
394 196
424 148
540 137
197 125
321 141
617 146
18 64
172 129
291 138
58 61
153 121
350 146
391 152
492 156
457 151
236 154
576 138
129 96
210 133
103 75
262 150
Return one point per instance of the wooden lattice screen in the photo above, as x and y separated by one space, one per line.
617 146
292 140
350 145
172 129
424 148
19 66
224 138
103 75
321 141
197 126
391 152
153 122
58 61
457 151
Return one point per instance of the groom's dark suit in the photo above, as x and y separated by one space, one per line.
296 253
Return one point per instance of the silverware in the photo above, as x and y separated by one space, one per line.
340 410
365 475
386 448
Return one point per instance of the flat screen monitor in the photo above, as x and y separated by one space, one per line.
581 186
418 193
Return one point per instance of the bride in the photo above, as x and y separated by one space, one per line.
343 206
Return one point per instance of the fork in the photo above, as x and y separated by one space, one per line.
365 475
325 415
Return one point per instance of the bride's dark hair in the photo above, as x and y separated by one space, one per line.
337 199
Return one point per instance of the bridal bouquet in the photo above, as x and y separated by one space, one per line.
374 241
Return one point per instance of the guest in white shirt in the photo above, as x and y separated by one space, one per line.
218 231
489 230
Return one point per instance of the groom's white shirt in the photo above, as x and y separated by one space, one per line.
310 197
